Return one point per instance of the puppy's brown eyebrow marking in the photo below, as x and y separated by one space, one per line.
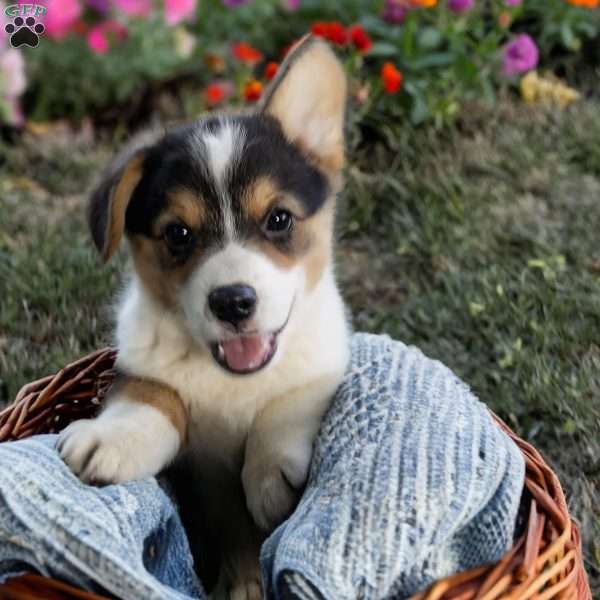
184 205
264 193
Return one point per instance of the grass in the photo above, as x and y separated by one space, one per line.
479 243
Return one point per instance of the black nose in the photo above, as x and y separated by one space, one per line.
232 303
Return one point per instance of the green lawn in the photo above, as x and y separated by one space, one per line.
480 243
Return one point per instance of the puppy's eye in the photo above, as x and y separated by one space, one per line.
279 221
178 237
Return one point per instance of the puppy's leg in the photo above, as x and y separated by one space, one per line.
136 435
224 539
239 538
279 450
240 568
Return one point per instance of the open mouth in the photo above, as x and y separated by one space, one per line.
245 354
248 353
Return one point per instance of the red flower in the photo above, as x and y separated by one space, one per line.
271 70
333 31
214 94
391 77
336 33
246 53
360 38
319 28
253 90
217 92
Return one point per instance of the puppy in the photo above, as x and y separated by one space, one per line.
232 336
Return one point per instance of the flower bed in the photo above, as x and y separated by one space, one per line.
416 59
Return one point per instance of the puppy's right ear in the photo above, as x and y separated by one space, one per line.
108 203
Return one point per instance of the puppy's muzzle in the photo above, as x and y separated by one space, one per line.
233 303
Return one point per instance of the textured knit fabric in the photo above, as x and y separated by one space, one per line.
126 539
411 481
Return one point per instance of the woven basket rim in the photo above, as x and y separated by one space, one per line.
546 562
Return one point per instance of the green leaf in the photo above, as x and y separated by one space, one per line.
568 37
384 50
436 59
429 38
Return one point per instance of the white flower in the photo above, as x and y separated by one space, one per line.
12 73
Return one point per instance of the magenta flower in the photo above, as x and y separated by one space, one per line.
60 17
134 8
179 10
100 36
520 55
100 6
292 5
460 6
394 11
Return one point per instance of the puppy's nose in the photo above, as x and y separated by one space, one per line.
233 303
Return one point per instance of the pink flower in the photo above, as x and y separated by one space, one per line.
179 10
520 55
60 17
292 5
513 2
460 6
134 8
100 36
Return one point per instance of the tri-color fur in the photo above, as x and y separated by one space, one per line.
240 442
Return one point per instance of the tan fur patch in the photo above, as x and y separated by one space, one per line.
154 267
263 194
311 245
183 206
259 197
320 254
157 395
153 262
309 99
118 205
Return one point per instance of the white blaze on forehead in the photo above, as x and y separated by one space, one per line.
222 149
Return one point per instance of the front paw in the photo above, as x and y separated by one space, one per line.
103 452
273 488
250 590
244 586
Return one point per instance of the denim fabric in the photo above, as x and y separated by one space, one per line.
411 481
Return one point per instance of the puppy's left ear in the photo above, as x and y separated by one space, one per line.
308 98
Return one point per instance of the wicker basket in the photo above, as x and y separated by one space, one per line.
545 563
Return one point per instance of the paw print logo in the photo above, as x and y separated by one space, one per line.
24 32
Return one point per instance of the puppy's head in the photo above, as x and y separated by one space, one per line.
230 220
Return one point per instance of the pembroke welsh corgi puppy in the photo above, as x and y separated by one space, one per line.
232 336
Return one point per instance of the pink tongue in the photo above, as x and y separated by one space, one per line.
246 353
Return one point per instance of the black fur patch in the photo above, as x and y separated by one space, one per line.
98 211
178 162
268 153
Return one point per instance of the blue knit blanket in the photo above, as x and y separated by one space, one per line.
411 481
